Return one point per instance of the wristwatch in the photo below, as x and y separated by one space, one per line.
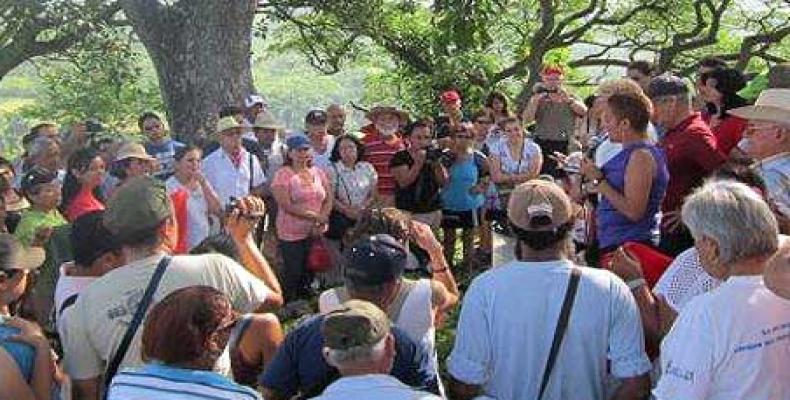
634 284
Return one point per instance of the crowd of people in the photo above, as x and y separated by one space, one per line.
627 245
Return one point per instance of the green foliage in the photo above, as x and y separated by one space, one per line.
105 80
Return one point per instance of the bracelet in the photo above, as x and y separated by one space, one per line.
634 284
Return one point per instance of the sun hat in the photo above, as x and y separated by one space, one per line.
265 120
133 150
539 205
355 323
772 105
385 109
14 256
139 205
227 123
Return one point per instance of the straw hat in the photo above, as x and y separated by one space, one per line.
227 123
267 121
378 110
133 150
14 256
772 105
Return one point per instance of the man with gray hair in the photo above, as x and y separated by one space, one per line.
336 120
358 342
691 151
732 342
767 140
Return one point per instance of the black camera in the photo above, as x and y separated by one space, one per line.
433 154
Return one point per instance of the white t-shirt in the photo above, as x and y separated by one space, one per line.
372 387
66 287
321 160
197 212
507 324
730 343
99 318
229 181
520 164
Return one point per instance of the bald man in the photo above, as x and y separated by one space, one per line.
336 119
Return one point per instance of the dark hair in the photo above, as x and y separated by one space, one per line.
334 156
589 101
6 163
389 220
741 172
634 108
34 131
79 161
645 67
410 128
507 121
220 243
90 239
229 111
147 237
497 95
147 115
118 168
179 328
712 62
183 150
728 81
541 240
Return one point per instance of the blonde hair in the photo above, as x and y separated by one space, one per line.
619 86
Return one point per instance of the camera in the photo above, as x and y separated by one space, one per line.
433 154
234 204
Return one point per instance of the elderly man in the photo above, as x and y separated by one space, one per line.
358 342
691 152
382 141
336 117
777 273
254 105
767 140
514 317
731 342
232 171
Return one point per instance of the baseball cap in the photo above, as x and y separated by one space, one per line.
667 85
254 99
37 176
297 141
14 256
539 205
450 96
355 323
375 260
552 70
315 117
140 204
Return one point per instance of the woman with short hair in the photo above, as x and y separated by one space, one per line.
184 336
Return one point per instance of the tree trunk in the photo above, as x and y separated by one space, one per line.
201 52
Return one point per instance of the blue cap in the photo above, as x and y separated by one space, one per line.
375 260
297 142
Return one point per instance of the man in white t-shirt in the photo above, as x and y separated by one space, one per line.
732 342
140 215
231 170
509 315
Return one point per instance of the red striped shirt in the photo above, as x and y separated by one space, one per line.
379 153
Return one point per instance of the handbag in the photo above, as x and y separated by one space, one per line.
319 256
339 223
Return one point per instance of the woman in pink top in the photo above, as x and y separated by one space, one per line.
82 185
304 200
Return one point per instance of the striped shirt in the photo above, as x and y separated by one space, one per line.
157 381
379 153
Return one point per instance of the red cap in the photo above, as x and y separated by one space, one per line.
552 70
450 96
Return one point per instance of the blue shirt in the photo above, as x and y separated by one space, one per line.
165 154
464 174
23 353
299 366
158 381
614 228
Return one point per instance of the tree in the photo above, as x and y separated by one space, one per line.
33 28
478 44
201 52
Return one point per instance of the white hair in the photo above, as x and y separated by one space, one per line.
356 355
735 217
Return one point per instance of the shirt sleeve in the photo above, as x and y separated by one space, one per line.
245 290
686 358
281 374
414 363
627 340
470 358
704 150
81 360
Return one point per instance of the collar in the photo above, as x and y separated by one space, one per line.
684 124
774 159
364 382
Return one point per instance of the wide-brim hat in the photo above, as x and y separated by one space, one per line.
772 105
14 256
378 110
133 150
226 124
265 120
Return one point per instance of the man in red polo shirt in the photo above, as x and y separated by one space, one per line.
691 151
382 141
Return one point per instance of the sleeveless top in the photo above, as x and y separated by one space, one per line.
614 228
